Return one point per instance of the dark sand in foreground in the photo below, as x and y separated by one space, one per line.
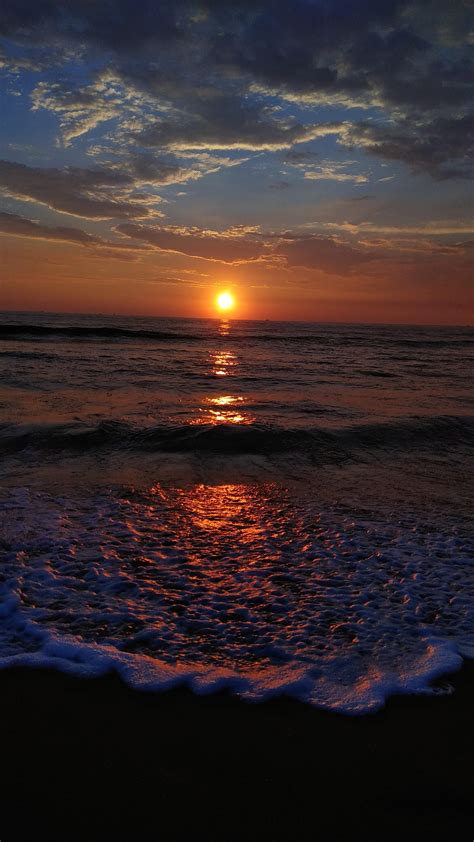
95 760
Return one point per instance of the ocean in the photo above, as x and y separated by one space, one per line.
269 507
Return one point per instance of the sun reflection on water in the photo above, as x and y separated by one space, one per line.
227 408
222 362
224 327
225 400
223 508
223 409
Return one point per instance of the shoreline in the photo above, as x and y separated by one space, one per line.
94 759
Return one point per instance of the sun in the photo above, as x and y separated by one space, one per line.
225 301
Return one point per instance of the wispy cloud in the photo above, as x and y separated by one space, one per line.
14 225
89 193
231 246
334 171
433 229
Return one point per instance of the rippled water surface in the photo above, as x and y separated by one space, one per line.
276 507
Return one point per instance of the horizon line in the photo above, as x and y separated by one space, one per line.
234 319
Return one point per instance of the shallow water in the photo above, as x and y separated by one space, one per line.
275 507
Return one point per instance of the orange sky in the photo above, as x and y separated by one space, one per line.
54 276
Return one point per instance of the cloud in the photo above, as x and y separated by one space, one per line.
367 197
87 193
206 75
433 228
80 109
334 171
201 118
19 226
442 147
324 170
146 168
227 247
228 122
328 254
325 253
115 191
159 169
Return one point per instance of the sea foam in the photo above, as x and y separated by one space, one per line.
246 587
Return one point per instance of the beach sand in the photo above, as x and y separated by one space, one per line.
92 759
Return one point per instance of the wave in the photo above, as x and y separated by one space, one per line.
322 444
104 332
337 608
369 372
89 332
29 355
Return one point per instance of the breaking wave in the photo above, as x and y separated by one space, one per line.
327 444
243 587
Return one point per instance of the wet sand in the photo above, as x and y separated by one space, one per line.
95 760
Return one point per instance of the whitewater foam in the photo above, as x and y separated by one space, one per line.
235 586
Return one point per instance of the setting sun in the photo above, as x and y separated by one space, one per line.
225 301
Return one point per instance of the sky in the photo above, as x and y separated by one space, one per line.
314 157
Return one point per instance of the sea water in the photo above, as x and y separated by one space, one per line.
268 507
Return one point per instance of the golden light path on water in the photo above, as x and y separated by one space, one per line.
222 362
228 408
